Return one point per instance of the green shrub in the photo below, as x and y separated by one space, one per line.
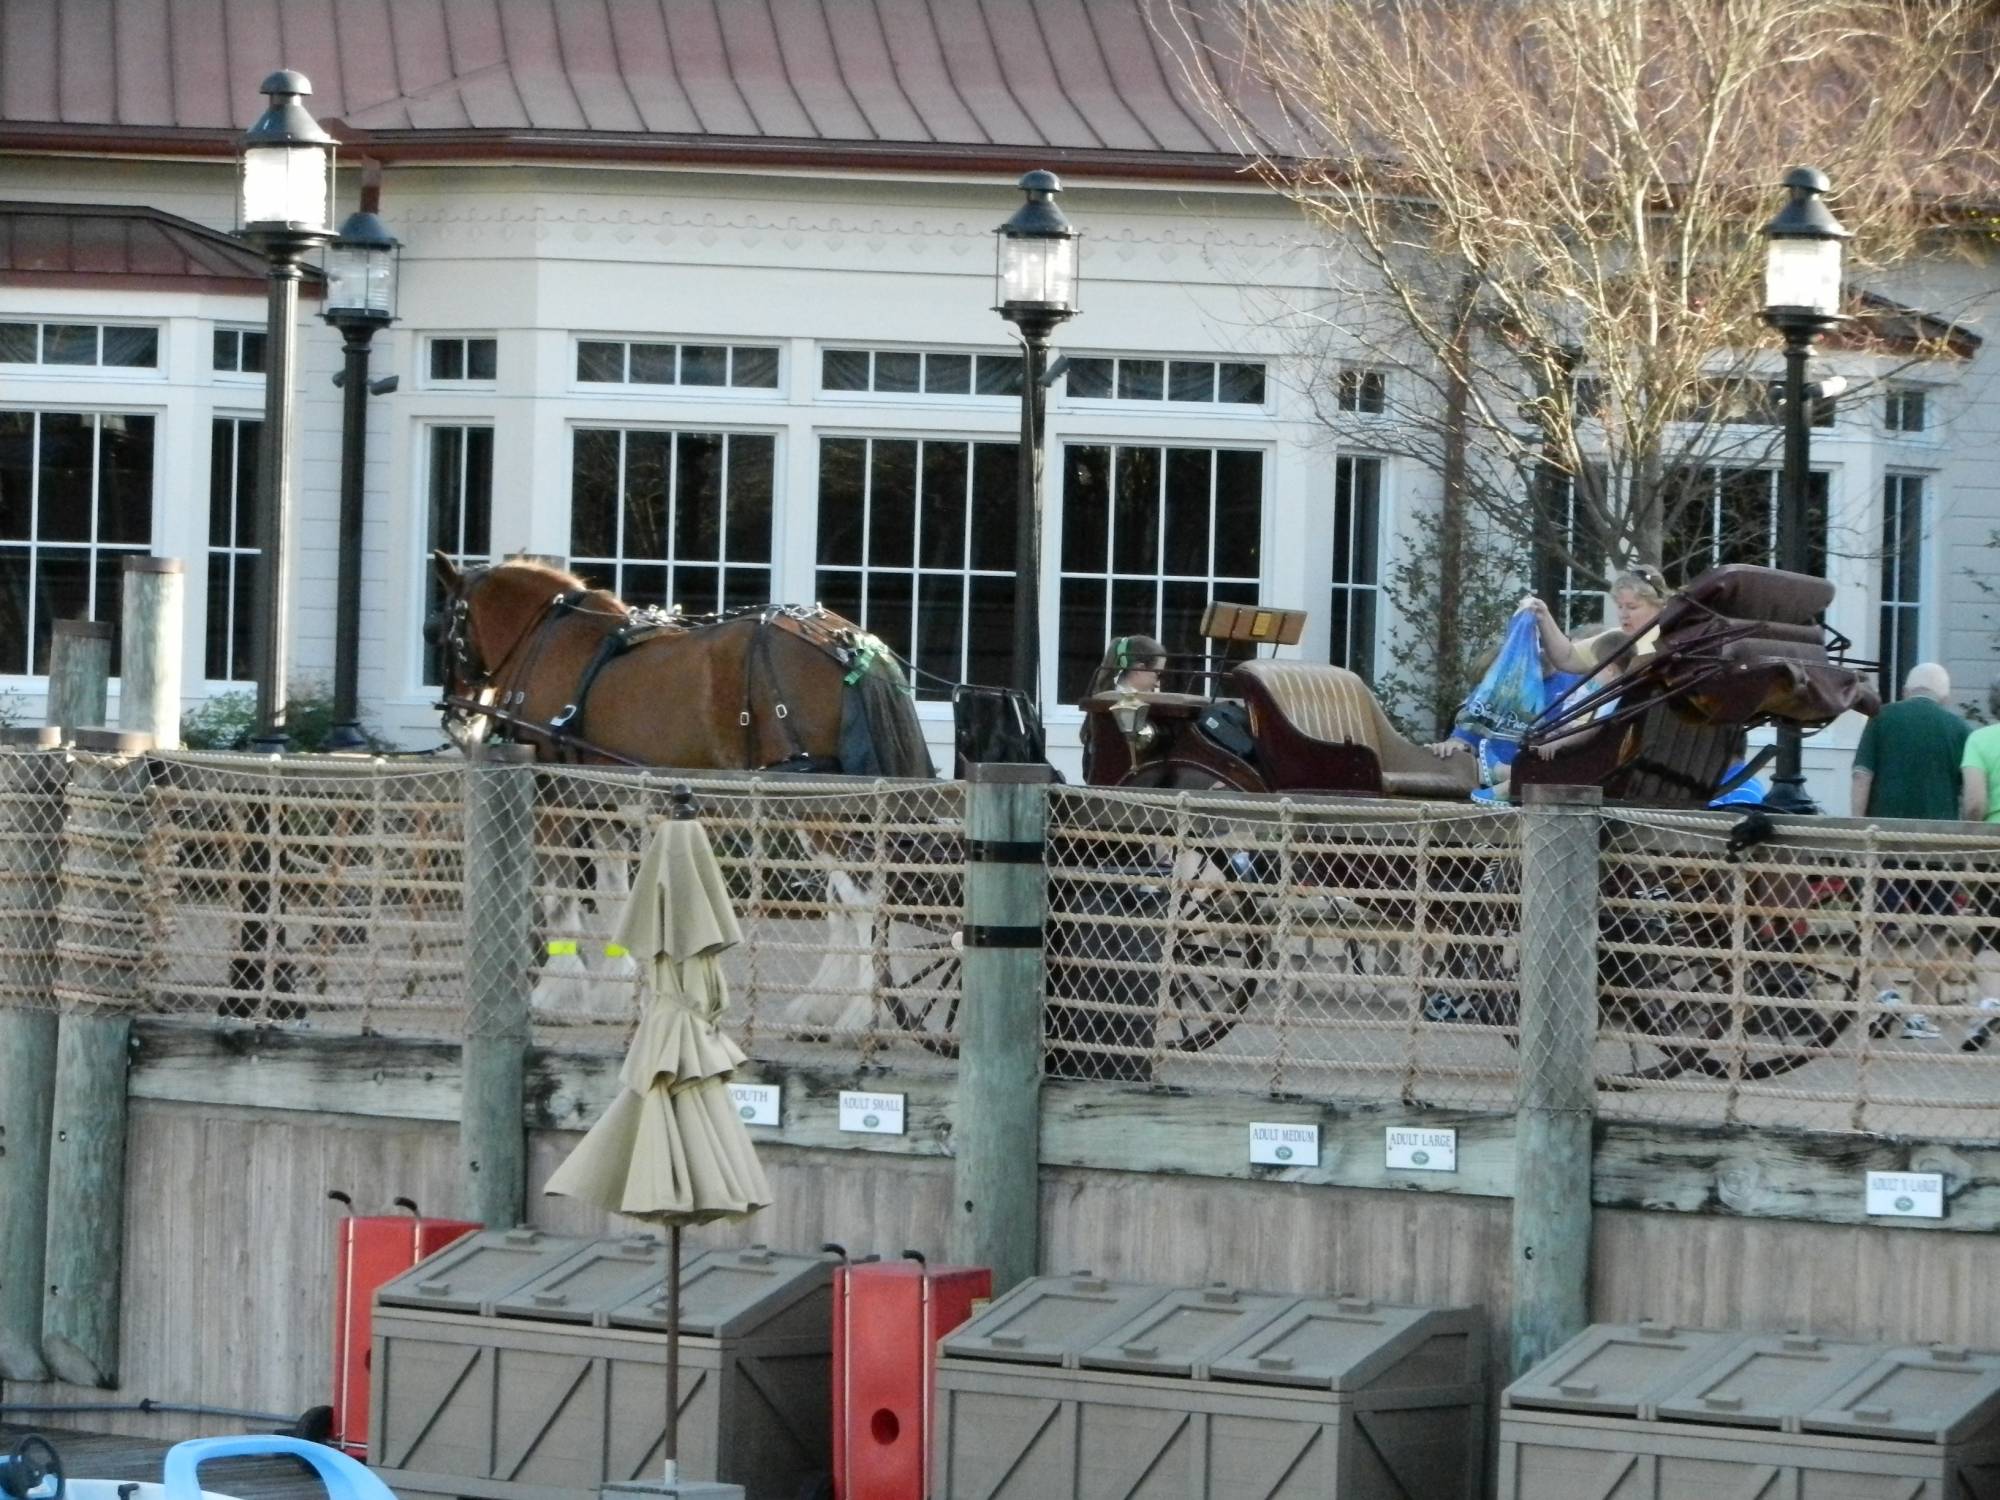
228 721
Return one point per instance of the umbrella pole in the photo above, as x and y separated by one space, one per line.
671 1444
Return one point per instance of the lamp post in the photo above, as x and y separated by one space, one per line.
1035 280
286 181
360 299
1801 301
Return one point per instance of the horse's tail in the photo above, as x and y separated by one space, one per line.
891 713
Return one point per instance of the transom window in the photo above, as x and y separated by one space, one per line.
1903 409
916 542
1365 391
1357 584
1149 537
623 362
679 519
1738 401
464 358
233 547
1208 381
459 506
1902 579
120 346
912 372
76 496
238 351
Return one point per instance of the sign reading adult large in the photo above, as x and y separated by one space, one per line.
1413 1150
1906 1195
871 1114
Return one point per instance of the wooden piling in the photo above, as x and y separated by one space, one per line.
499 916
996 1137
1556 1095
79 674
149 657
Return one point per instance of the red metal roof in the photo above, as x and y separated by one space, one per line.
63 244
903 82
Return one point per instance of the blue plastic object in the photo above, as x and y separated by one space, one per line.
344 1478
1510 696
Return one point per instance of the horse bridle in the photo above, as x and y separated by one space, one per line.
470 676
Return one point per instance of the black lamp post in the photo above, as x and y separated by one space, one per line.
1035 279
1801 301
286 181
360 299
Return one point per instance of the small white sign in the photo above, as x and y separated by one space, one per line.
871 1114
1906 1195
757 1103
1410 1150
1284 1145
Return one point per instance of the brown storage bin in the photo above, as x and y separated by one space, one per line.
1244 1396
1777 1415
476 1404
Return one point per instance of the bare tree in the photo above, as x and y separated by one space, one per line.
1542 216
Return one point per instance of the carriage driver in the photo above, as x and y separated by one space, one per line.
1132 663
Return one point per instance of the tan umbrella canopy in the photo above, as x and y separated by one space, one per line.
672 1149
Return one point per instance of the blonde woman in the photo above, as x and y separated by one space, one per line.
1637 596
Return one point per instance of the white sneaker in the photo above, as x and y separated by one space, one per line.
1978 1036
1920 1029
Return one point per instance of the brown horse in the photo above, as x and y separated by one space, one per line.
533 654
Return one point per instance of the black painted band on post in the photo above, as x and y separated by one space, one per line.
1005 851
977 936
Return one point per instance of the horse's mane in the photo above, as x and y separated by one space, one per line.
559 579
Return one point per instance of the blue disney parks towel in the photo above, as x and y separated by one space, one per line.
1511 695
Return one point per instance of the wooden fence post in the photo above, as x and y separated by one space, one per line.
31 817
149 665
997 1124
500 925
100 946
1556 1099
79 675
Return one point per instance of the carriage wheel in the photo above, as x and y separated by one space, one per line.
917 957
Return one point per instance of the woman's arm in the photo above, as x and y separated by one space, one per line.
1559 652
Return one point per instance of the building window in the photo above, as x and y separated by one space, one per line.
916 542
1149 537
232 547
239 351
1902 578
1570 570
81 345
1206 381
1903 409
1732 401
911 372
460 511
464 359
1363 391
1357 524
76 496
1719 516
678 519
618 362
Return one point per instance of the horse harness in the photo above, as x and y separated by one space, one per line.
637 628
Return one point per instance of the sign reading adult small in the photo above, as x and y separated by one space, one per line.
1906 1195
871 1114
1409 1150
757 1103
1284 1145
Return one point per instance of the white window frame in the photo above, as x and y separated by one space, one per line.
235 377
1349 590
157 371
629 388
821 393
467 383
1360 375
427 435
1163 405
1888 585
210 551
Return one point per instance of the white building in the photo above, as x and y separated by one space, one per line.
700 300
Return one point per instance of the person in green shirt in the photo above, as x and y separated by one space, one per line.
1979 802
1907 766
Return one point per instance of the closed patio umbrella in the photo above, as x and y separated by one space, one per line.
672 1149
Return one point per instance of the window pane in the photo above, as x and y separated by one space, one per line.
1190 382
996 491
756 368
477 537
1241 383
653 364
1367 494
1135 610
840 591
1135 518
891 600
745 586
989 630
447 359
941 523
69 343
1181 607
1082 632
221 483
132 348
253 354
697 590
844 370
698 499
752 471
842 464
215 649
249 441
447 488
643 583
1086 507
1909 492
62 592
1239 513
65 461
125 479
1141 379
896 370
704 364
17 345
600 361
1090 379
940 623
998 375
646 491
16 626
17 481
226 353
482 358
593 493
1186 550
947 374
892 505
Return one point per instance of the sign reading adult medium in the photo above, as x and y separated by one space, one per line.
1284 1145
757 1103
871 1114
1410 1150
1906 1195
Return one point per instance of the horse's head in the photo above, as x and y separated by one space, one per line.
489 612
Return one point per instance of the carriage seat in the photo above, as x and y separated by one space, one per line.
1319 728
